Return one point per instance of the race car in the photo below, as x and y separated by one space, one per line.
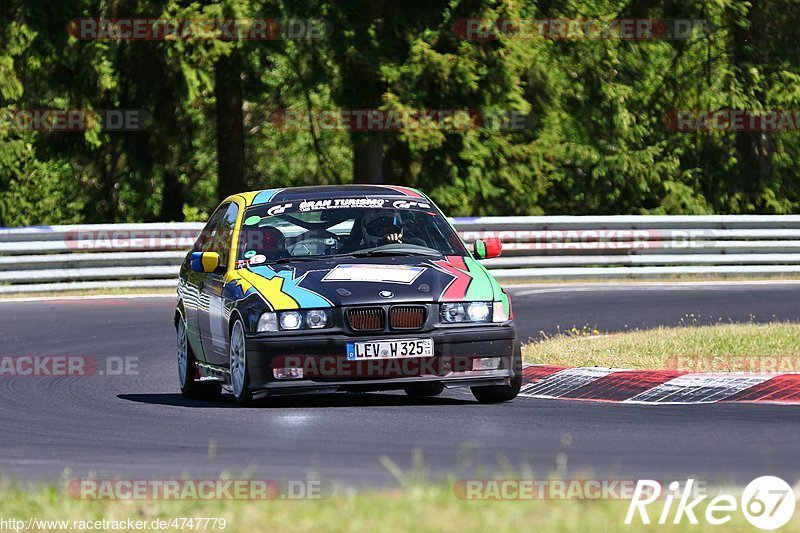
350 288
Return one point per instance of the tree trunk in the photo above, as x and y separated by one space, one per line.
754 148
230 127
171 198
367 158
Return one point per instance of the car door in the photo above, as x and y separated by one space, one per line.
192 291
212 315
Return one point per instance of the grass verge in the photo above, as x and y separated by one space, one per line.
773 347
429 507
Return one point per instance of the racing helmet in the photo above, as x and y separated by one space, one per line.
378 224
265 240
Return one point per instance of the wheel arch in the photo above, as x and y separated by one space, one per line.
235 315
180 313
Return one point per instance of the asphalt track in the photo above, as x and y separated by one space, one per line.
138 426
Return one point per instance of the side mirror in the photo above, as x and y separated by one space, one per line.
205 262
488 248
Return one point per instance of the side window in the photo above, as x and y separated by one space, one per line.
224 233
216 236
205 240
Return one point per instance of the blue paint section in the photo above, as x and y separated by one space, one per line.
265 197
351 351
307 299
197 261
233 290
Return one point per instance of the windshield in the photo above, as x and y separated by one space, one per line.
335 228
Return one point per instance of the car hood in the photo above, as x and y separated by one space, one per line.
348 281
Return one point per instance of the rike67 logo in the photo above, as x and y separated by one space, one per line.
767 502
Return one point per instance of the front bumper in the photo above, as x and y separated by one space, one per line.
326 368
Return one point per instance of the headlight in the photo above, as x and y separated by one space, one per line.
453 313
316 319
267 322
291 320
466 312
478 311
294 320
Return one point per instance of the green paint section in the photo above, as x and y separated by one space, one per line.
498 290
480 289
488 289
499 293
252 220
480 249
506 303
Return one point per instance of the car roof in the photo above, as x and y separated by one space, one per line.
322 192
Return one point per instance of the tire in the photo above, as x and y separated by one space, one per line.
422 390
191 389
503 393
239 372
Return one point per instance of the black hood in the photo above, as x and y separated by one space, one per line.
350 281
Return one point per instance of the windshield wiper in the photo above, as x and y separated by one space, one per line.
292 259
380 253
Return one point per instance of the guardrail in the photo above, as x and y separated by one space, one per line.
55 258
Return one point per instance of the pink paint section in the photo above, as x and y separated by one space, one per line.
405 190
456 290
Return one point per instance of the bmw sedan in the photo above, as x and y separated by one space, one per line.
341 288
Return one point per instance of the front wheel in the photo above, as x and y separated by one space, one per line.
190 388
503 393
240 374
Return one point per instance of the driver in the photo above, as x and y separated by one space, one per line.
378 227
267 241
381 226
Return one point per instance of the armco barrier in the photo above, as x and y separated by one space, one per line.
54 258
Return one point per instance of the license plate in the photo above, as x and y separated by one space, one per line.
388 349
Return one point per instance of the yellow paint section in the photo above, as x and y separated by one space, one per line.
234 277
210 261
249 197
270 289
234 253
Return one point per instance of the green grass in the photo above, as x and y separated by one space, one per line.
424 507
721 347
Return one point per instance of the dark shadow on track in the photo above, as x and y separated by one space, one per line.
299 401
176 400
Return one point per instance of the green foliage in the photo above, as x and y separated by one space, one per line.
595 139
